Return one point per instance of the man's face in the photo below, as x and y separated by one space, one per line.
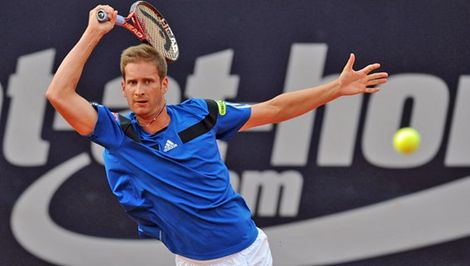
143 89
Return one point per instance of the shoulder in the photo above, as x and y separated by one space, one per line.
194 107
193 103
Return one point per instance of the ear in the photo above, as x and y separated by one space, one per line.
165 83
123 87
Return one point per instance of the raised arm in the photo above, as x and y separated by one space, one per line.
292 104
61 93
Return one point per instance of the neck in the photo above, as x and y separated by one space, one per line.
149 125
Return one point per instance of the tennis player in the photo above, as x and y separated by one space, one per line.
162 161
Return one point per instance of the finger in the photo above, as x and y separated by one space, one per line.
377 75
375 82
107 9
113 17
371 90
102 7
349 65
370 68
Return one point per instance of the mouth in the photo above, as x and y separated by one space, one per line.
141 101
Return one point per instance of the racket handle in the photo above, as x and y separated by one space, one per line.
102 16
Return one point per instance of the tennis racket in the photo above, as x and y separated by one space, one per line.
149 26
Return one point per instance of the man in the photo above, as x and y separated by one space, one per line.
162 161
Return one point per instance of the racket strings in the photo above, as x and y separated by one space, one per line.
158 33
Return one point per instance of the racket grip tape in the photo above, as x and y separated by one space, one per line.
102 16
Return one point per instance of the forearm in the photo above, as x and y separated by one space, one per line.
292 104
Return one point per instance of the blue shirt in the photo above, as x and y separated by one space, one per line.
174 183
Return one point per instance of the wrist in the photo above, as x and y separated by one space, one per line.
335 88
92 35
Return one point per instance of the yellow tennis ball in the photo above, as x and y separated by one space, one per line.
406 140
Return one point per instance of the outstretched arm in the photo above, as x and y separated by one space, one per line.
292 104
61 93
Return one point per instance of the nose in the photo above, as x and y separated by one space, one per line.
139 90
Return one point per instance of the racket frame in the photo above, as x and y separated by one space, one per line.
135 27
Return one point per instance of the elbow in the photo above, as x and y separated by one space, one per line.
52 96
49 95
53 99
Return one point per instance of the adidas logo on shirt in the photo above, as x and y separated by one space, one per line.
169 145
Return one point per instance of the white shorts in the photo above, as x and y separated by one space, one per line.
257 254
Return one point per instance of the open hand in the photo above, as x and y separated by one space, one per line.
361 81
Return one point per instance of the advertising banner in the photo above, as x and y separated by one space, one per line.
328 188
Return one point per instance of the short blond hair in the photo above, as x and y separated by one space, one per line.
146 53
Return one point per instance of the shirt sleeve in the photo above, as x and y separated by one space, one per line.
107 132
231 117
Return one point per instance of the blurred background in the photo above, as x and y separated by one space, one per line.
328 188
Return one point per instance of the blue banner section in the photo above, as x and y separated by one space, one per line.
328 188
